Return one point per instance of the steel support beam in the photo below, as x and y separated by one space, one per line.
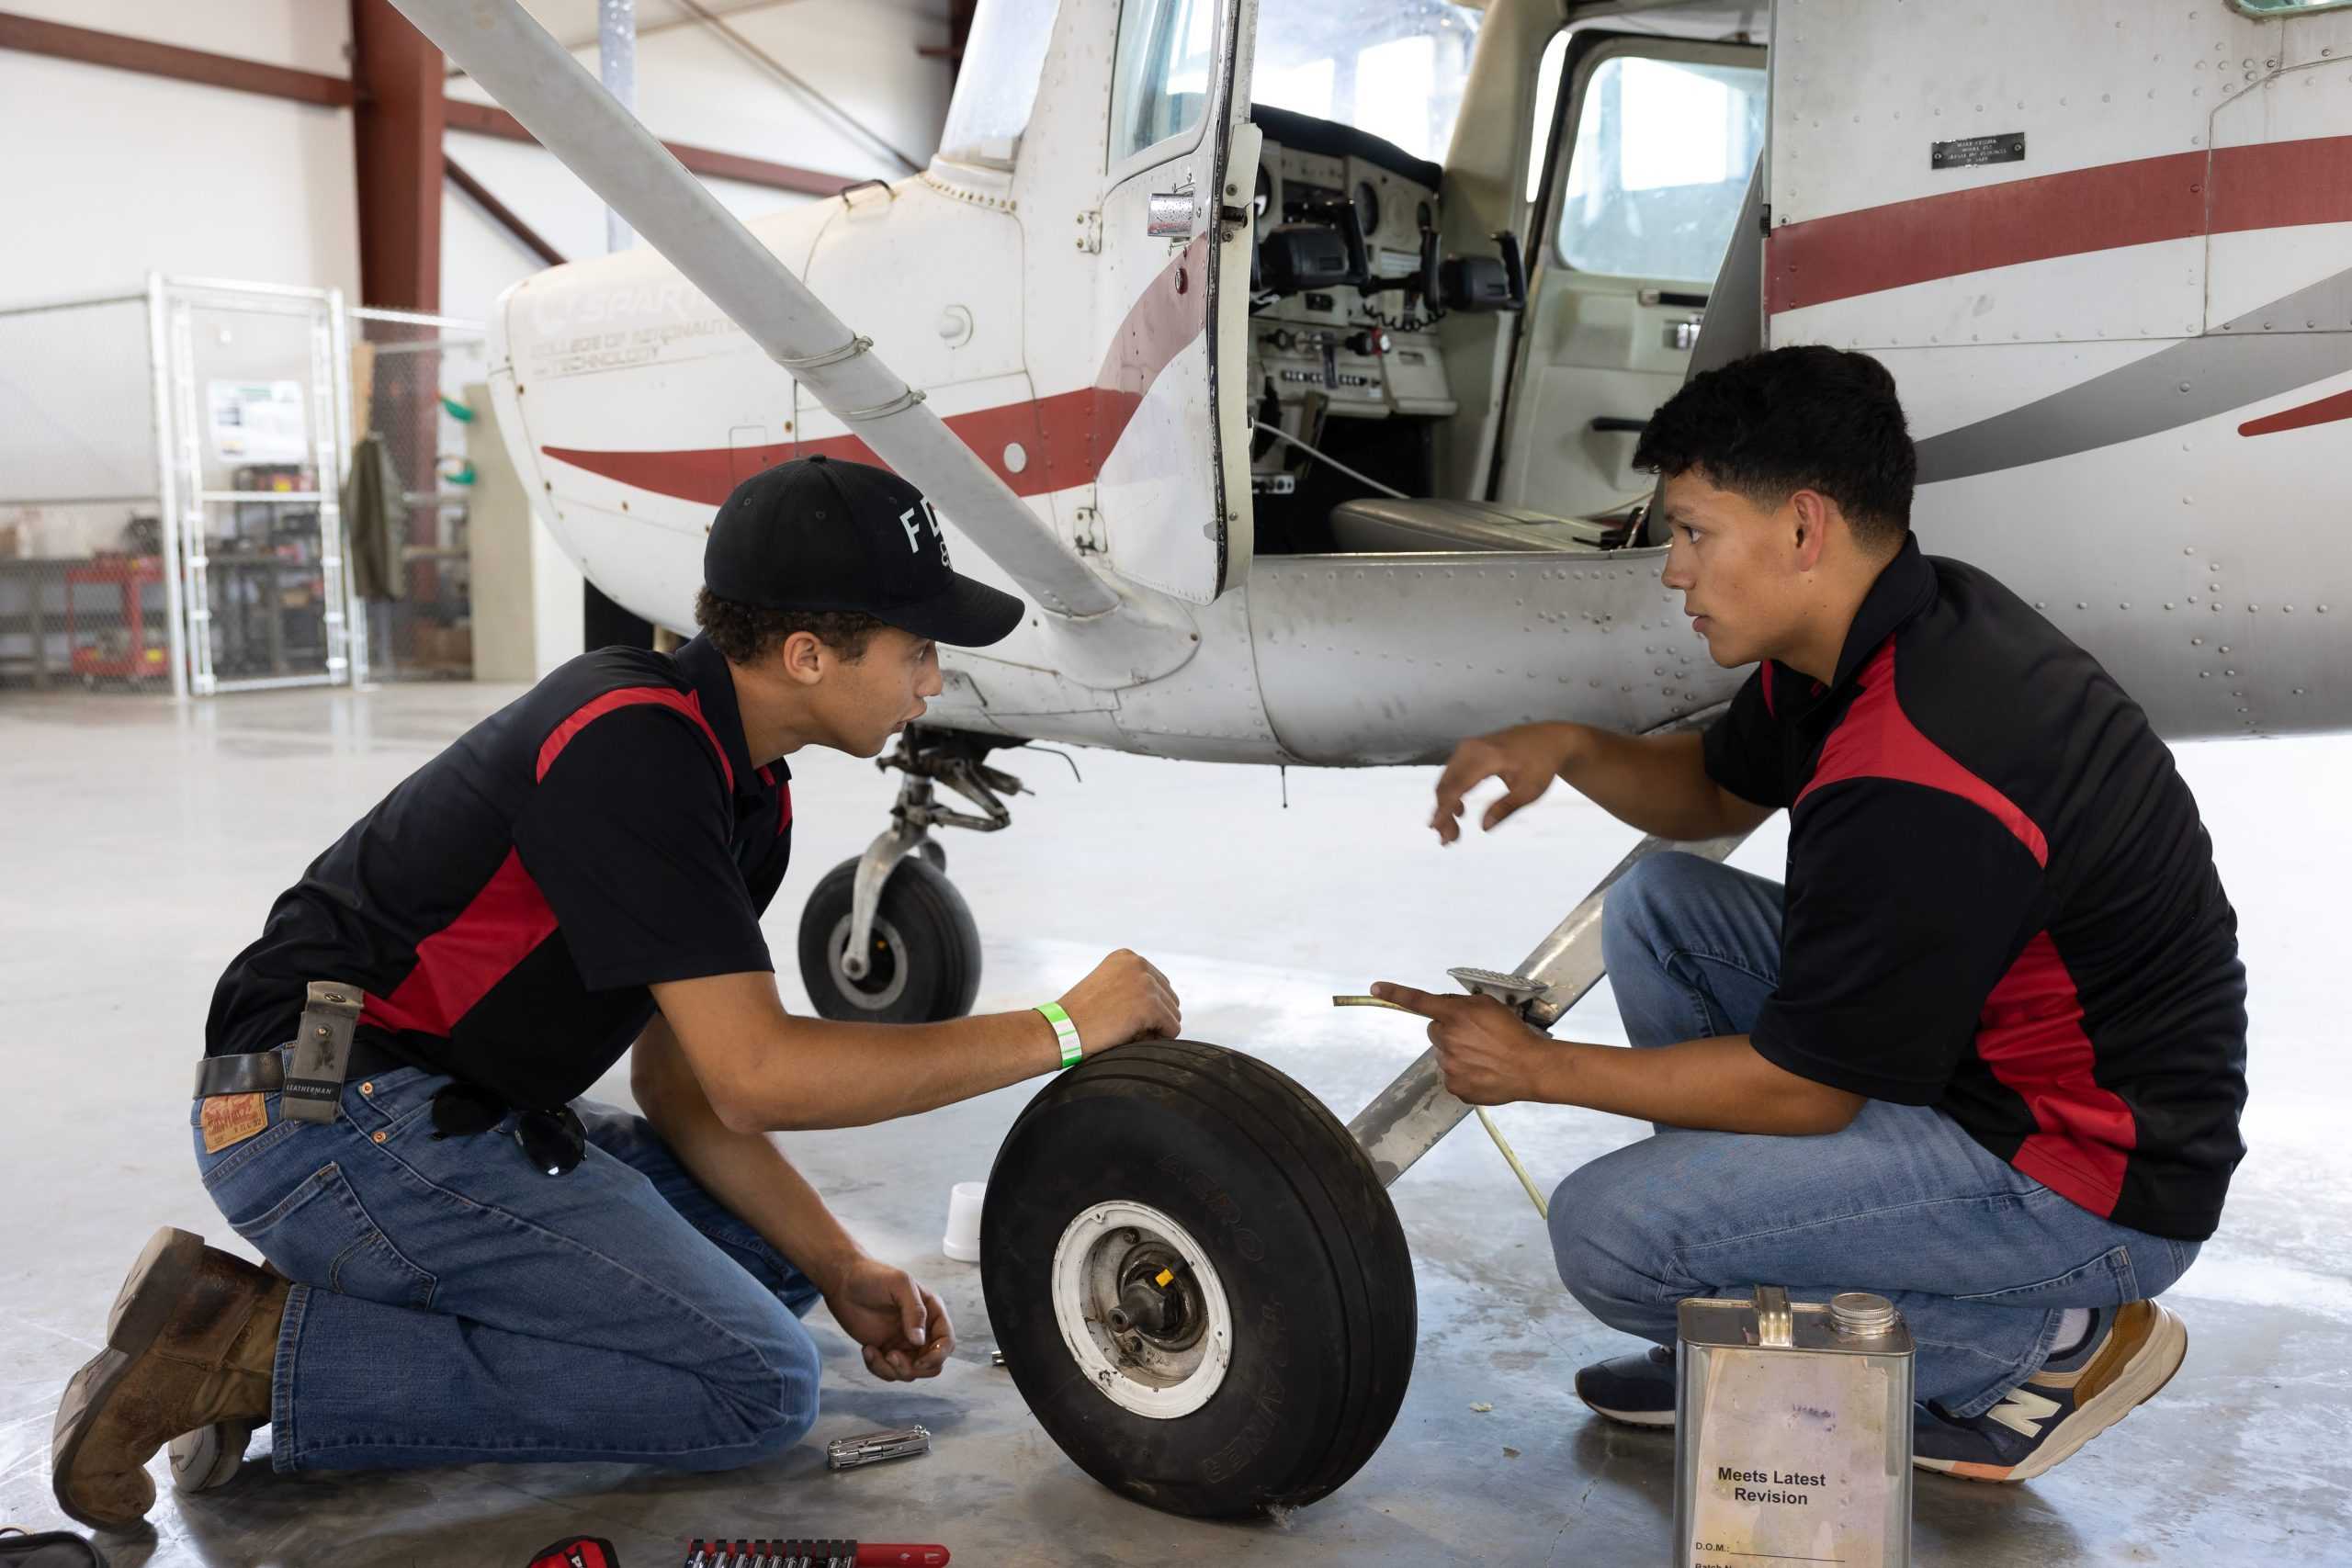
398 134
500 213
489 119
32 35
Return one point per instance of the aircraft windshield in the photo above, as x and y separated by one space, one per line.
996 87
1395 68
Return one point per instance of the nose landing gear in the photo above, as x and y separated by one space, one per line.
886 938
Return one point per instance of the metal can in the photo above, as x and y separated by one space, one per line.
1793 1432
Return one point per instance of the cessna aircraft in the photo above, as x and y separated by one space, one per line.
1288 356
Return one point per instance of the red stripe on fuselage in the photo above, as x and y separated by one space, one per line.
2031 1036
1066 438
1876 740
2276 185
2326 411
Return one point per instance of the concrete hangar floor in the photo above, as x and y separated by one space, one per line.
144 842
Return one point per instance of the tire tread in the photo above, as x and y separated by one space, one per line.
1297 1135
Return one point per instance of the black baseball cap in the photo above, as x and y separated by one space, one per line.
822 534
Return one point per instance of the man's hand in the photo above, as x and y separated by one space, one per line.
902 1326
1488 1053
1527 758
1124 999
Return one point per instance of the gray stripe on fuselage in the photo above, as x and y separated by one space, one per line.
2227 369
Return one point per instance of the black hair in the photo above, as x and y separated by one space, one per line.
745 634
1807 417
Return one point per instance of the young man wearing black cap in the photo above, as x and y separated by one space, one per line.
470 1264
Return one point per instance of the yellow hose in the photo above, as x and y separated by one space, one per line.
1542 1209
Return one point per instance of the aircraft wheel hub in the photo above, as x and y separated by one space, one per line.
1141 1309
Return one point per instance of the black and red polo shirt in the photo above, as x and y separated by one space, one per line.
507 906
2001 899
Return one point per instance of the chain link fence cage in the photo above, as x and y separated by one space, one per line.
84 598
173 468
255 414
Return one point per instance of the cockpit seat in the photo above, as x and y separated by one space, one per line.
1378 525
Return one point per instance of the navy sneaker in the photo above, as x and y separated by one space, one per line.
2130 1353
1635 1389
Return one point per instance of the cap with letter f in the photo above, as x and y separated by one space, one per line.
822 534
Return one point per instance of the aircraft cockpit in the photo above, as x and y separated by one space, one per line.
1399 362
1348 282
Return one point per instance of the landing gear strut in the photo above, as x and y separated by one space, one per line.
886 938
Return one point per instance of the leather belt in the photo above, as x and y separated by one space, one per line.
263 1072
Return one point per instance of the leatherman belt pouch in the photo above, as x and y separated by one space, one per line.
322 1054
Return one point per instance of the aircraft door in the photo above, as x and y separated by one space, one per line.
1648 171
1173 492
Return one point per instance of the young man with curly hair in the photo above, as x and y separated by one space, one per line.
1983 1053
470 1263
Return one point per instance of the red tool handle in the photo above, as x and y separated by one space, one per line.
874 1554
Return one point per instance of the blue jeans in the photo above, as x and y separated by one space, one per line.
453 1304
1982 1260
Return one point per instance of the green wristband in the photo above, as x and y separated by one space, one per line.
1064 1031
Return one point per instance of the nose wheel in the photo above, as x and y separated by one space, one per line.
886 938
922 949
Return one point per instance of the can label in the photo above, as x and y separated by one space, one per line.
1791 1460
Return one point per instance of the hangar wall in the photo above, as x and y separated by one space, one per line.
131 169
113 175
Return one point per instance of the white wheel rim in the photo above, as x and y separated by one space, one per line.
851 991
1136 1374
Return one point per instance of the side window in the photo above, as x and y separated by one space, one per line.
1159 84
1661 161
995 87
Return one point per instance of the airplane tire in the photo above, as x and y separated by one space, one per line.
1269 1368
926 964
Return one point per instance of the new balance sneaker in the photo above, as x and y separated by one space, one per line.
1635 1389
209 1457
2130 1353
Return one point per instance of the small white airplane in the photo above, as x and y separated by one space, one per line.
1288 356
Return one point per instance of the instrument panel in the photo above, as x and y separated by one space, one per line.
1338 352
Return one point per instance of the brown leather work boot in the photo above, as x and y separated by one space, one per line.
191 1342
